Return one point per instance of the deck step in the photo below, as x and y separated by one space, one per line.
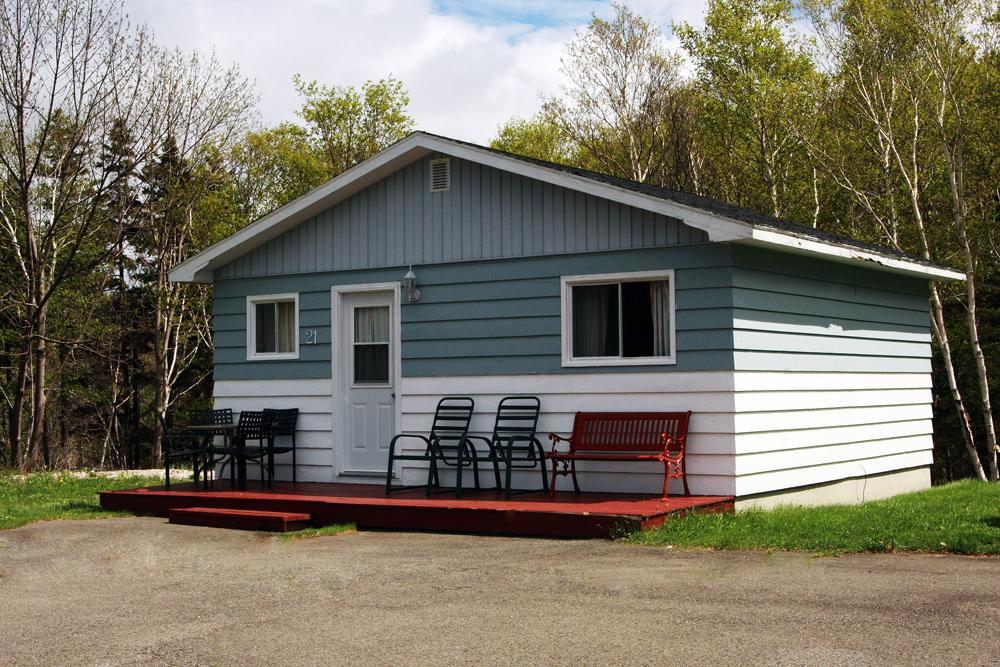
218 517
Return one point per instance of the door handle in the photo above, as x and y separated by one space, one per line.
393 394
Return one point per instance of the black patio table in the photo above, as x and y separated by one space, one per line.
226 431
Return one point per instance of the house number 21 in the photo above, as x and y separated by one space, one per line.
310 336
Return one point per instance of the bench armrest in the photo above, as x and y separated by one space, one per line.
555 439
678 453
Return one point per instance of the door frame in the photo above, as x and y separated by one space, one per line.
337 293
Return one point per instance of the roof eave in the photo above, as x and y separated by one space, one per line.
719 228
852 255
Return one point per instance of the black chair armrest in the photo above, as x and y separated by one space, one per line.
401 436
489 440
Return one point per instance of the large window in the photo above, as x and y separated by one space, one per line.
272 326
618 319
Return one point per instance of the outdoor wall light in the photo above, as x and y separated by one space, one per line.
410 285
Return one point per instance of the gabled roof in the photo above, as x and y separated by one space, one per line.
721 221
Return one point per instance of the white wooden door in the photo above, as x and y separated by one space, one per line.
367 369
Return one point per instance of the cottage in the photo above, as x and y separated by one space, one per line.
439 267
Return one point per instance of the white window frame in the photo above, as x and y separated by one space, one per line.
388 344
566 289
252 301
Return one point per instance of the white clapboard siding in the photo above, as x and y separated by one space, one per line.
709 395
752 431
806 457
801 429
842 398
778 420
314 436
773 441
805 381
752 360
747 485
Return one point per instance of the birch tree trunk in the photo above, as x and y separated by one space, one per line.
888 93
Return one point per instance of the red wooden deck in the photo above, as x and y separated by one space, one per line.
366 505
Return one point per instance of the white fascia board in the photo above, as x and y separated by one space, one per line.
201 267
849 255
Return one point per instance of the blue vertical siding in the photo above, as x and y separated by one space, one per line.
487 214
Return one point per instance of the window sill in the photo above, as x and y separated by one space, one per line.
280 356
619 361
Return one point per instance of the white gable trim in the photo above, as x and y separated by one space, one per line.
201 267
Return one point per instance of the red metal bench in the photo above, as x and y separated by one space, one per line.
624 436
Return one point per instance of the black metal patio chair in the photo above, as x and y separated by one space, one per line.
283 424
513 441
253 425
207 425
179 445
447 443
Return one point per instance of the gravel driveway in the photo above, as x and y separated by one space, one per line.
138 590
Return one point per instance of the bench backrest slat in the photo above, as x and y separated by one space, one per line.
628 431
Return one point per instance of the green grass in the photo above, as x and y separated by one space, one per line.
333 529
45 496
962 518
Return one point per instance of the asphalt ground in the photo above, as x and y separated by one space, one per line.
137 590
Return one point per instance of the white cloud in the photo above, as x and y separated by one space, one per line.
467 70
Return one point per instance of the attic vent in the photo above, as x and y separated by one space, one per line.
440 175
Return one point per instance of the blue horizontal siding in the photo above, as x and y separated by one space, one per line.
504 316
487 317
805 314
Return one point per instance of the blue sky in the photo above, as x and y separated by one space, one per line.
468 66
534 14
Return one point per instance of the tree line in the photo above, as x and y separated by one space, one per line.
877 121
119 158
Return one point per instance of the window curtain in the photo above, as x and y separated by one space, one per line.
371 345
371 325
659 305
286 326
590 320
264 328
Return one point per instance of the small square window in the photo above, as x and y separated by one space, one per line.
371 345
272 327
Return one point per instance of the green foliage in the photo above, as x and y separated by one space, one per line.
50 496
623 107
342 126
275 166
963 518
881 125
346 125
538 137
755 79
